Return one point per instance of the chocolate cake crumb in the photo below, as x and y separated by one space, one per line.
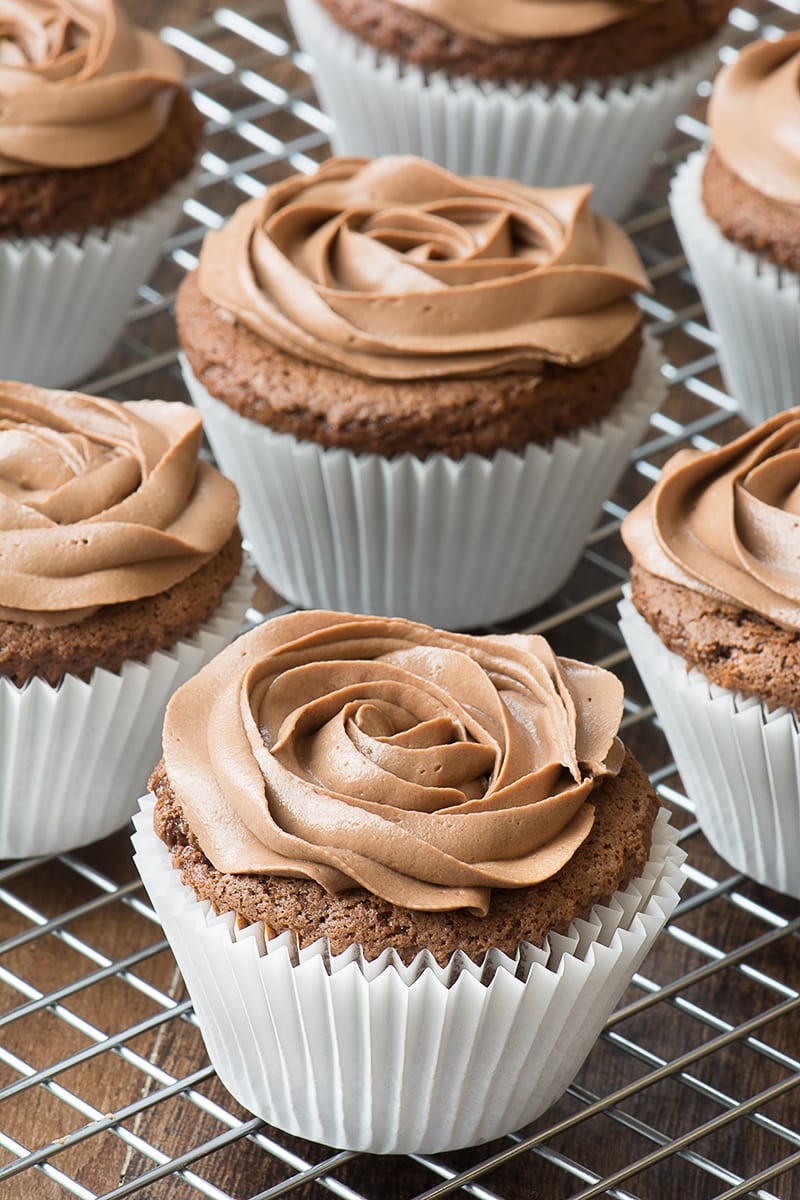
480 415
615 852
661 32
119 632
748 217
731 646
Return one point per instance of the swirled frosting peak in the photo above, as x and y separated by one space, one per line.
397 269
503 21
101 503
726 523
754 117
79 84
425 766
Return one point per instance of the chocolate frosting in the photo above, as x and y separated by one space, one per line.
397 269
425 766
726 523
79 84
101 503
503 21
754 117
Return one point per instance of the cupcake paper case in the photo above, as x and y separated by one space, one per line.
713 632
121 576
380 420
348 1045
89 189
604 132
737 211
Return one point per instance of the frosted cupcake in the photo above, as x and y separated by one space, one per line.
549 93
120 575
97 144
423 385
736 207
712 625
387 856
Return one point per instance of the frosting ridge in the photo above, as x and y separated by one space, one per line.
519 20
101 503
754 117
397 269
80 85
425 766
724 523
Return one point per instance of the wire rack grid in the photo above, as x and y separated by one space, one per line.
692 1090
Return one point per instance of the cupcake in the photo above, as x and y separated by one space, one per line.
387 857
120 575
97 146
550 93
424 386
736 206
712 624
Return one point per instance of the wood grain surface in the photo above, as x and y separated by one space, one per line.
78 966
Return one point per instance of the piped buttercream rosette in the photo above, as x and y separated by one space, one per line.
724 523
425 766
398 269
520 20
101 503
79 84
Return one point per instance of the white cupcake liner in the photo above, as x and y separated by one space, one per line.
455 544
64 300
752 305
74 758
739 761
602 134
390 1059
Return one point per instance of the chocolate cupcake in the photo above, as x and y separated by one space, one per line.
98 141
424 386
736 206
712 624
120 575
366 829
550 93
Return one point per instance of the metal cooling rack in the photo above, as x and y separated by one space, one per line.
692 1091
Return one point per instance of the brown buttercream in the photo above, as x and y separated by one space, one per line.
754 117
503 21
79 84
726 523
425 766
397 269
101 503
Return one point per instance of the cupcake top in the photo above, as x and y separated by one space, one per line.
101 503
79 85
726 523
397 269
754 118
427 767
518 20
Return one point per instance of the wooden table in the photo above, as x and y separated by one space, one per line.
96 1004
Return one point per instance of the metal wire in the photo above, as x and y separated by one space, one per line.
709 1036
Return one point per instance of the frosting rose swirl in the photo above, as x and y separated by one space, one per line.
521 20
425 766
101 503
397 269
754 117
726 523
79 84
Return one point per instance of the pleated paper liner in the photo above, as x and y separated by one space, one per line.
739 761
752 305
75 757
64 300
605 134
391 1059
452 543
